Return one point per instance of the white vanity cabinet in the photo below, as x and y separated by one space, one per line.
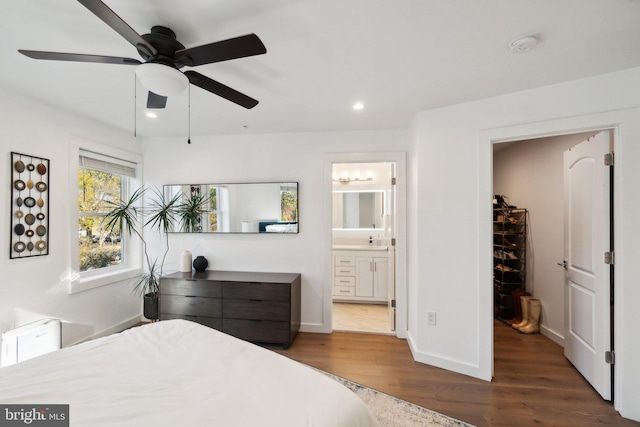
361 274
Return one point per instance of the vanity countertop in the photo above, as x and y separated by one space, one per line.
359 248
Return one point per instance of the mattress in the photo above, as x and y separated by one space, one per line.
180 373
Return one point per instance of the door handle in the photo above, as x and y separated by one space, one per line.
563 264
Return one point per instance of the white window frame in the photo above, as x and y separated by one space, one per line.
132 248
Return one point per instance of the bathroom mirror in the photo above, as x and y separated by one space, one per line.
358 209
265 207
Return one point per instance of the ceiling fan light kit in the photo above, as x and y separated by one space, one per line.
161 79
164 56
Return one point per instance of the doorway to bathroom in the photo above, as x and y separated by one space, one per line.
363 243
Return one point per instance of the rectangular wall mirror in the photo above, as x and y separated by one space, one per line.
358 209
265 207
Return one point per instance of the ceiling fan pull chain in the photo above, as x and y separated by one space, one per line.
189 117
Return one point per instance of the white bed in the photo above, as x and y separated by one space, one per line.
180 373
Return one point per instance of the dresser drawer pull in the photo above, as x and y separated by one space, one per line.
345 281
344 291
255 300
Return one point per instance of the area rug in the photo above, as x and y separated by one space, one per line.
393 412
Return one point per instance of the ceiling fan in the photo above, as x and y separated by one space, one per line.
164 55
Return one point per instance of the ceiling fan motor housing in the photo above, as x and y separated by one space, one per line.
165 42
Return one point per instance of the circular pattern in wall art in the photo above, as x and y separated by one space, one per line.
30 206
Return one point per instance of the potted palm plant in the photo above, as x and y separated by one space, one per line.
190 212
162 214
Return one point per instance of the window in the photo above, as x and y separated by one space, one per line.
218 209
288 203
101 182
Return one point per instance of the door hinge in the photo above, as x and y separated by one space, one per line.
393 181
609 257
608 159
393 241
393 303
610 357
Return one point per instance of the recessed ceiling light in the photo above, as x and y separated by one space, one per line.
358 106
151 114
523 44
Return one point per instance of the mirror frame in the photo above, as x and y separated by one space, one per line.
252 226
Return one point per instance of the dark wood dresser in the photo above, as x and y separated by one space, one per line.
256 307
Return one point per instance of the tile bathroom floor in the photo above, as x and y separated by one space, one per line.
366 318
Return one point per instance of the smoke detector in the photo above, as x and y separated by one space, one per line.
523 44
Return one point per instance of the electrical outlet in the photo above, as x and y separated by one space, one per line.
431 317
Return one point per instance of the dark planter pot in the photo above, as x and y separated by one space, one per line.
150 308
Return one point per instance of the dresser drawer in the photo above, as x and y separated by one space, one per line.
345 271
344 281
191 287
212 322
256 309
345 261
191 306
256 291
257 330
344 291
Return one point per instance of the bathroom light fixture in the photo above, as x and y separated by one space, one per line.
523 44
346 180
358 106
162 79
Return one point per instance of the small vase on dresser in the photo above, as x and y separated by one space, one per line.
200 264
185 262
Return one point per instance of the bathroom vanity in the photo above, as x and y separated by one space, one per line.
360 273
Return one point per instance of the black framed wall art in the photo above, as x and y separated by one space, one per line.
29 206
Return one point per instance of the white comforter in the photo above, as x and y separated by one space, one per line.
178 373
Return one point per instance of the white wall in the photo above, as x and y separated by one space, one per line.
453 241
530 173
258 158
37 287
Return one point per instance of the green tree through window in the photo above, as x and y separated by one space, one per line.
98 249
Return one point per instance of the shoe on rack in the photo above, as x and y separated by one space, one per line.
509 255
506 242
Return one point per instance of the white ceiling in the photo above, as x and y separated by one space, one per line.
398 57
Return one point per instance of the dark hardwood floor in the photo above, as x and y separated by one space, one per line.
533 385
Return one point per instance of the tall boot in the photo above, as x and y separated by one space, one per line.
535 308
517 307
525 312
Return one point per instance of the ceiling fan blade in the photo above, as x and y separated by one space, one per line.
238 47
109 17
156 101
78 57
219 89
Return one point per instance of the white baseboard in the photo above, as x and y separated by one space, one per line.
552 335
114 329
316 328
448 364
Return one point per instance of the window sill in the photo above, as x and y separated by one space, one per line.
92 280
